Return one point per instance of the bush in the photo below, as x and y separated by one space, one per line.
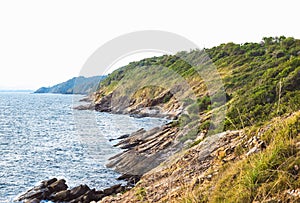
204 103
206 125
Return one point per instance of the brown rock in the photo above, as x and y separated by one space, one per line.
86 197
85 107
209 177
131 179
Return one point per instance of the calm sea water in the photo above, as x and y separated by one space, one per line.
41 137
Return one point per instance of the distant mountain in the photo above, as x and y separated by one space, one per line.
76 85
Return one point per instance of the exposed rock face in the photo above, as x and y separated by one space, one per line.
140 107
104 105
56 191
191 167
144 150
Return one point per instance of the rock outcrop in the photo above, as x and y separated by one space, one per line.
138 107
190 168
144 150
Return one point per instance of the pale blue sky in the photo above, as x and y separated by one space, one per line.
46 42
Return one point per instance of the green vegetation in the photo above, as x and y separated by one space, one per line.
196 142
191 135
141 194
261 79
262 83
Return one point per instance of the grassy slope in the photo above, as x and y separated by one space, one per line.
266 176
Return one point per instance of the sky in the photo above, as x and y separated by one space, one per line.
43 43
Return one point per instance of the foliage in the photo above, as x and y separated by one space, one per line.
205 125
191 135
261 80
141 193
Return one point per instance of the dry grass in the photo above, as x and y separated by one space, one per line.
262 177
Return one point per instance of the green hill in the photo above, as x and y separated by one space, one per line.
261 80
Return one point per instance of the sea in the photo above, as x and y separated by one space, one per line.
42 136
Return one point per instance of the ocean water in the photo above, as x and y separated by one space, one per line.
41 137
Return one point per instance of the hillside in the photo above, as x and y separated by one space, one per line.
253 155
253 75
76 85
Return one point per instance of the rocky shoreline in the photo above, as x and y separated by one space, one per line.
56 190
142 151
131 166
154 107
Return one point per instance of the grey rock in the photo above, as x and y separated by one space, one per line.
145 150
